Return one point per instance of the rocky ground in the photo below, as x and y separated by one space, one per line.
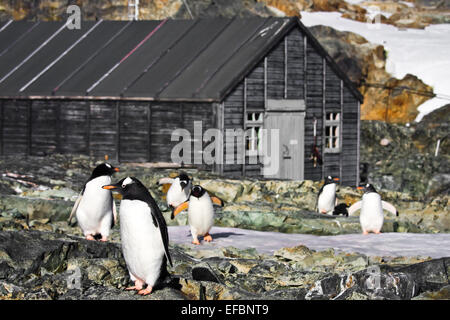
42 257
48 265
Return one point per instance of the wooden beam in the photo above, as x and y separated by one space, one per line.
324 75
285 67
149 123
265 82
358 144
221 126
1 127
88 129
341 131
57 111
118 131
29 127
244 125
305 65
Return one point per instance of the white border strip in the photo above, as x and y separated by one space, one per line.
34 52
6 25
60 57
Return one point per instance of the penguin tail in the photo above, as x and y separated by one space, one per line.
172 208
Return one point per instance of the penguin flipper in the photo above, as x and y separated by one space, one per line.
75 207
217 201
389 207
114 210
316 206
212 196
165 181
180 208
355 207
160 223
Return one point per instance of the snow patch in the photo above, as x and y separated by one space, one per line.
384 244
423 53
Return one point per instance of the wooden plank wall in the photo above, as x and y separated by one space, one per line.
310 77
122 130
332 163
314 109
350 165
233 119
15 118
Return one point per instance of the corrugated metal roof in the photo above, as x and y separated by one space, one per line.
192 60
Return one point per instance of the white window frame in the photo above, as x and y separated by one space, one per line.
332 136
253 142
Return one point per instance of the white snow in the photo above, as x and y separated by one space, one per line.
423 53
384 244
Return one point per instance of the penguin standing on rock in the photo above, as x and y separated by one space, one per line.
371 217
326 199
179 190
200 213
144 235
95 208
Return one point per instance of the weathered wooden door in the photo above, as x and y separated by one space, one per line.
287 117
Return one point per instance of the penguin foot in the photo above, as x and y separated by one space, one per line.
207 237
104 238
196 241
90 237
377 232
145 291
138 285
365 233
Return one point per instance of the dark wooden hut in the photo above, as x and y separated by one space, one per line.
121 87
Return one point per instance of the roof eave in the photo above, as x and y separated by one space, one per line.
115 98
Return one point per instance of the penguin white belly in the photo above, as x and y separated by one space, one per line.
200 214
371 216
327 199
142 245
94 213
176 195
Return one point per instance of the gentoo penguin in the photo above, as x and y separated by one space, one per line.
144 236
371 205
95 208
326 199
200 213
179 190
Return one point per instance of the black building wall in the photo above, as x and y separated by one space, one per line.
123 130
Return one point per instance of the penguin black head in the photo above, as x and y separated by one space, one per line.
330 179
197 191
184 180
130 188
104 169
368 188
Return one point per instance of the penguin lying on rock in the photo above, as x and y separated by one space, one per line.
180 188
144 235
341 209
95 208
326 199
371 217
200 213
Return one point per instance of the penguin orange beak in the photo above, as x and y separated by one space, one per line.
336 179
110 187
360 188
180 208
116 169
